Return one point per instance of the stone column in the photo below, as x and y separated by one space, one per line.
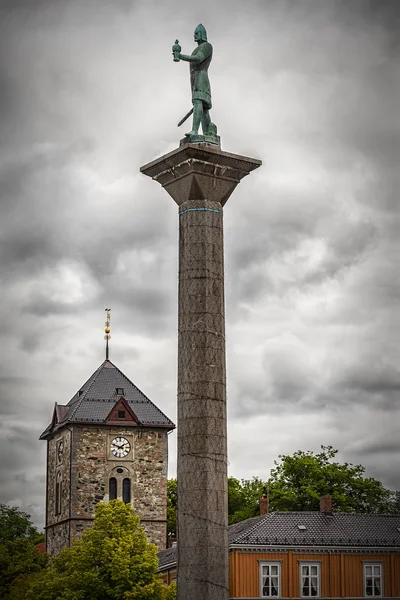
200 178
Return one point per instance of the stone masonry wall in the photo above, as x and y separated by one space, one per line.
155 533
62 467
57 538
146 466
58 468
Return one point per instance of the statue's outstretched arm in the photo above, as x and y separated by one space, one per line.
199 57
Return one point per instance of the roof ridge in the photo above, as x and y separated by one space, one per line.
139 390
96 395
82 397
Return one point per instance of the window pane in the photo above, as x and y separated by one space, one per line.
305 590
368 586
377 570
126 491
377 587
368 570
274 569
266 588
314 570
314 590
113 488
305 570
265 569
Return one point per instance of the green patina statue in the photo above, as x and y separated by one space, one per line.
199 60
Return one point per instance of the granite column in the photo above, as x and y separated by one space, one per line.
200 178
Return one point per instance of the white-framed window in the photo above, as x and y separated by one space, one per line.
310 579
270 579
373 579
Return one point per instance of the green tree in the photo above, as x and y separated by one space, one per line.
394 505
18 556
297 483
172 497
15 524
244 498
112 561
299 480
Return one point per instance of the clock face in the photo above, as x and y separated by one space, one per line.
120 447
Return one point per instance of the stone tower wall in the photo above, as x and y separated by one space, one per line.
87 475
57 525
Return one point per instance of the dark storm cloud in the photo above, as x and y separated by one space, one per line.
88 93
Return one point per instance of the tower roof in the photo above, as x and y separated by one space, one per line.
93 402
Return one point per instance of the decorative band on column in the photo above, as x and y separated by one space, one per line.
215 210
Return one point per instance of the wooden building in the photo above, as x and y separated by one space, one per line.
310 554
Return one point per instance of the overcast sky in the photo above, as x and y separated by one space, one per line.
89 93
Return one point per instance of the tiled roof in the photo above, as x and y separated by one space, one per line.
282 529
318 529
95 399
167 557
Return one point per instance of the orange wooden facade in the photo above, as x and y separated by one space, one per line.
341 572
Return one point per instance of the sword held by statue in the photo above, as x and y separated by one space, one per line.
185 117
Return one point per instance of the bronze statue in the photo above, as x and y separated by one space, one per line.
199 60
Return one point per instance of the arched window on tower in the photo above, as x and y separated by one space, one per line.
112 493
126 490
58 493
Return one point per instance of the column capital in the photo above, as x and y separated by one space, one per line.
200 172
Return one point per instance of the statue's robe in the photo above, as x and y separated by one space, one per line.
199 81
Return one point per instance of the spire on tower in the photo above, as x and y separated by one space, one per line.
107 330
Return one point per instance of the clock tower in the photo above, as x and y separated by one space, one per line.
109 441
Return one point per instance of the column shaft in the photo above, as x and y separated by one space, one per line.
202 444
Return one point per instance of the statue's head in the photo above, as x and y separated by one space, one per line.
200 33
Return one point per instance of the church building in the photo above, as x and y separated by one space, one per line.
109 441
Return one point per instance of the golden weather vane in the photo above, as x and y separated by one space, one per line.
107 329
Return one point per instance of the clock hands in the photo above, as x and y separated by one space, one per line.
120 447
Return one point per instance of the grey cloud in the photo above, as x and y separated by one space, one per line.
380 447
89 94
372 378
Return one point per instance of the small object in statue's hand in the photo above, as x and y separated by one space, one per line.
176 50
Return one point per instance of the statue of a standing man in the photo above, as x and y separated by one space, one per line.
199 60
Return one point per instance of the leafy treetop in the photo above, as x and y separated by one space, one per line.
15 524
112 561
297 483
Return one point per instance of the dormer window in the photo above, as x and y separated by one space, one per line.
121 414
120 391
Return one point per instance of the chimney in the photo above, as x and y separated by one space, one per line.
325 505
264 504
171 540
